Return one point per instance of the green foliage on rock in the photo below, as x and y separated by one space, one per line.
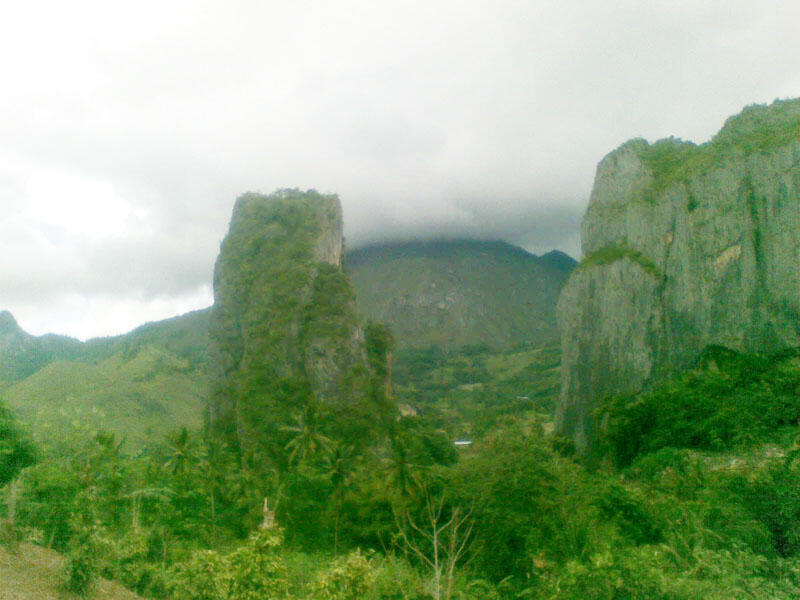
757 129
610 254
284 332
730 400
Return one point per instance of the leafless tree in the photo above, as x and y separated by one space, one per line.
441 543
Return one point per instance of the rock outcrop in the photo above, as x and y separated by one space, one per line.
283 328
684 246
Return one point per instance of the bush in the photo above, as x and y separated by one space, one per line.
728 401
205 576
254 571
257 571
347 578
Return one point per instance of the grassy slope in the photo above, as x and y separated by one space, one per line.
460 292
35 573
140 385
141 396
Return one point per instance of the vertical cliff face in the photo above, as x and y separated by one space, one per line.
685 246
283 330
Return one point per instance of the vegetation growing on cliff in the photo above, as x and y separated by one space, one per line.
611 254
729 401
757 129
284 333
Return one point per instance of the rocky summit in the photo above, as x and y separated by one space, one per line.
684 246
283 327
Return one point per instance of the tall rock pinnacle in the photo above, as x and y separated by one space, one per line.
283 330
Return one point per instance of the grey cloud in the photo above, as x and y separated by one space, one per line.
449 118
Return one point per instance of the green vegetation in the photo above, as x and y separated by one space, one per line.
729 401
469 392
702 504
284 336
141 394
459 292
693 492
757 129
16 449
610 254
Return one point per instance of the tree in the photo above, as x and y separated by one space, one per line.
340 461
440 539
16 449
400 470
307 439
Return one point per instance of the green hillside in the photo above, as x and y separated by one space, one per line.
140 395
185 336
22 354
470 392
456 293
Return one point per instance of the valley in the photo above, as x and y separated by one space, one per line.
442 419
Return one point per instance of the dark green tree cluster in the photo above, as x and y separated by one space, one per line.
17 451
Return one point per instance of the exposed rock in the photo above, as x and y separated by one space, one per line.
283 327
685 246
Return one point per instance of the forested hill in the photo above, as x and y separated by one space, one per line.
457 293
140 385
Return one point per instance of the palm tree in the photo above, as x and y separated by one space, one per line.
216 464
182 452
340 463
401 473
307 439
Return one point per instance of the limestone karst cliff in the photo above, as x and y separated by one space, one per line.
684 246
283 328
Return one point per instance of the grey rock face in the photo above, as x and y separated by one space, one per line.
676 261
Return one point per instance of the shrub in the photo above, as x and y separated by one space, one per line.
728 401
205 576
347 578
257 571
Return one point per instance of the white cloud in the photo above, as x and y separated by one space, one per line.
128 130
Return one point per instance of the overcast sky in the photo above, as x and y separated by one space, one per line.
127 130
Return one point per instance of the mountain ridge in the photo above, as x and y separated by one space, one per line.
454 293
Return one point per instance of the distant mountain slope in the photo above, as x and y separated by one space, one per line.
141 395
22 354
456 293
140 385
185 336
